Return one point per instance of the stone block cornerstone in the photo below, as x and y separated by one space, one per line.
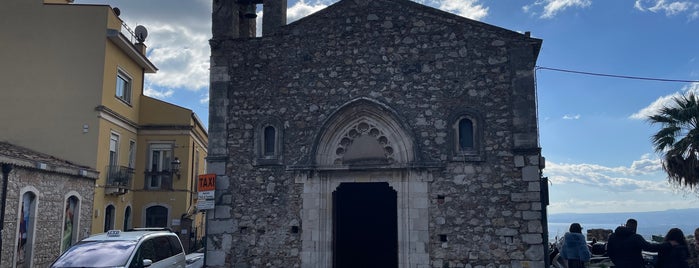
372 133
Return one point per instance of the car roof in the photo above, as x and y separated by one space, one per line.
129 235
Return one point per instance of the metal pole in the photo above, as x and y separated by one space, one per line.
544 218
6 168
206 235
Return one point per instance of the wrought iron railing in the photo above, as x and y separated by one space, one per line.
119 176
128 32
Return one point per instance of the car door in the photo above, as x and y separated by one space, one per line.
145 251
178 251
167 254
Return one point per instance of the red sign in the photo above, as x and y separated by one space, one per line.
207 182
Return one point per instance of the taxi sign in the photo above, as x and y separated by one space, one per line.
206 187
207 182
113 233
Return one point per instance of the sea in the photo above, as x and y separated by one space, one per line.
650 223
558 229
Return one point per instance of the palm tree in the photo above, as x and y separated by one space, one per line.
678 139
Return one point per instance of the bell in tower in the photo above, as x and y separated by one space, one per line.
249 8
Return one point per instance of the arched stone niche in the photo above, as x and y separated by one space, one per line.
364 132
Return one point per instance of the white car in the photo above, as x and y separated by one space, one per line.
130 249
195 260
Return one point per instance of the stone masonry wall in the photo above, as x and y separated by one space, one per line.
51 190
428 66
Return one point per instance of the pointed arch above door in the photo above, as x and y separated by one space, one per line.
364 132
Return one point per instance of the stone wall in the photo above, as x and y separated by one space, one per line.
52 186
422 68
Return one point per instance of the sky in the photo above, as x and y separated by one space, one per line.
593 128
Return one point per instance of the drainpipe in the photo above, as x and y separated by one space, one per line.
544 184
6 168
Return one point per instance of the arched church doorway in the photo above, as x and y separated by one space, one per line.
365 231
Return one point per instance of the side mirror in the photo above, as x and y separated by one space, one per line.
147 263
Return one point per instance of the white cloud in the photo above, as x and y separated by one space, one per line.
642 204
302 9
571 117
465 8
204 99
663 101
158 94
553 7
670 8
694 15
299 10
614 179
654 107
647 164
181 55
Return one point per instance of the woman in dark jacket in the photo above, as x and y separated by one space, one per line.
574 248
673 252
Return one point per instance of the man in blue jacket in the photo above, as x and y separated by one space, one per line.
625 245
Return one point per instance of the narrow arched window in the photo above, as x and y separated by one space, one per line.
127 218
70 222
27 220
109 215
269 141
465 137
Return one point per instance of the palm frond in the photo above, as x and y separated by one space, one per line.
678 139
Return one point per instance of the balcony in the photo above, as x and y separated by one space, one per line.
118 180
158 180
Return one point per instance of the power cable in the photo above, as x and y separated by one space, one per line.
617 76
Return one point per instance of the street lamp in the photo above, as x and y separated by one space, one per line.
175 167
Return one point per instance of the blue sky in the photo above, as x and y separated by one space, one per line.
593 134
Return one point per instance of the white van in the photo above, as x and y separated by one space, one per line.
130 249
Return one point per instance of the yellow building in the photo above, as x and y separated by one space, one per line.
73 88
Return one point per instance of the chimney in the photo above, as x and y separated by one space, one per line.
274 15
141 47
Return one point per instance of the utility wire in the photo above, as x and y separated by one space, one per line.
617 76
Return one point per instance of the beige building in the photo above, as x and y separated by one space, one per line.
73 88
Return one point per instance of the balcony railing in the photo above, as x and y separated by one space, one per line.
119 179
158 180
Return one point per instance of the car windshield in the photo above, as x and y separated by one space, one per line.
96 254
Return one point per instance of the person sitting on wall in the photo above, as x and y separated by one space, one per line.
575 249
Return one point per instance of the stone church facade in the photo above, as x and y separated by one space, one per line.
373 133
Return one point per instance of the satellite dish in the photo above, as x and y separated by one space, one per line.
117 11
141 33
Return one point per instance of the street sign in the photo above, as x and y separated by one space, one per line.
207 182
206 186
203 204
206 195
